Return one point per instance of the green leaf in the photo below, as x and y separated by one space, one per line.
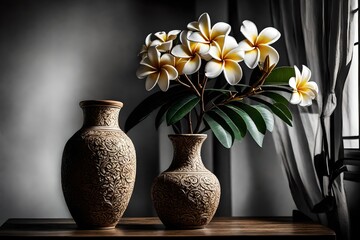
267 116
254 114
150 104
280 76
285 110
276 97
219 131
180 108
277 88
237 120
250 124
227 120
161 115
278 109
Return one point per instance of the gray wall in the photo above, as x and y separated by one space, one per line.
57 53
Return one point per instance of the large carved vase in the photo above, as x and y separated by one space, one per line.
187 194
98 167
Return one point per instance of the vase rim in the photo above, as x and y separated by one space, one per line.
111 103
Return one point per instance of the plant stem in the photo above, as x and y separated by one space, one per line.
198 79
202 104
190 123
192 85
256 87
182 83
202 94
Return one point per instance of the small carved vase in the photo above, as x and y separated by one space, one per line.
98 167
186 195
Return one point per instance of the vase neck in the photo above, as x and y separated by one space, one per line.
101 113
187 152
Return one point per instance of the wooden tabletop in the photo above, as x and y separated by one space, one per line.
147 227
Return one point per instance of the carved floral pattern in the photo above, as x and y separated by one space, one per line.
187 194
98 175
101 116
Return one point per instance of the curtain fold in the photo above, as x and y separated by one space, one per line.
316 34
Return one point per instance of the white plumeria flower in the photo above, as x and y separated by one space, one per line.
304 91
179 64
164 40
204 34
188 51
145 47
157 69
226 55
256 46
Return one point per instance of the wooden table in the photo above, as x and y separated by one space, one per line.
151 227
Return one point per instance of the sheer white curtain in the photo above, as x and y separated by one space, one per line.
317 34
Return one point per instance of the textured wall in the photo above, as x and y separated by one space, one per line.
57 53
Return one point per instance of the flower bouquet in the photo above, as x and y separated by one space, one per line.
199 73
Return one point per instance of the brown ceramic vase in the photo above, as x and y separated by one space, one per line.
98 167
186 195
